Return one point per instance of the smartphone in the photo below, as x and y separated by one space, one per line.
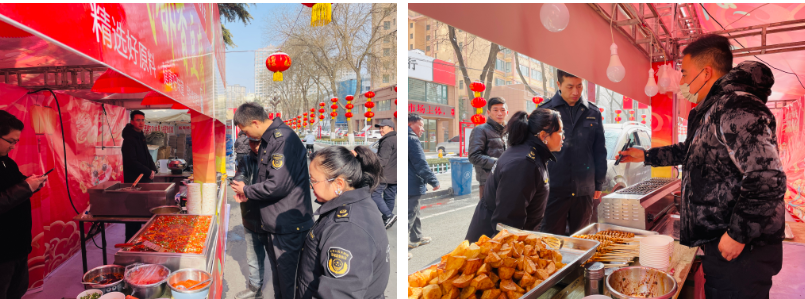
46 173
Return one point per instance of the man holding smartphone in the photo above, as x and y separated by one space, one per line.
15 212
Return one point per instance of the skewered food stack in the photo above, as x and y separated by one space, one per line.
616 247
508 264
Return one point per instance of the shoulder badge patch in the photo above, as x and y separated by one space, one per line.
277 160
338 261
277 133
533 154
342 214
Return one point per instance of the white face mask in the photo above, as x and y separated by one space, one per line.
684 90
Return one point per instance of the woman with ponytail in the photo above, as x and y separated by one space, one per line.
516 191
346 254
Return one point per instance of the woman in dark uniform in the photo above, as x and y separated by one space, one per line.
346 254
517 189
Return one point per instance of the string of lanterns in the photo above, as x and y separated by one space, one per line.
349 107
369 105
478 102
395 102
334 107
321 111
312 116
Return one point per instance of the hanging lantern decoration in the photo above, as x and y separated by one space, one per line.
334 107
631 118
602 113
321 117
278 115
369 105
278 62
321 13
395 104
644 119
312 120
271 115
312 115
537 100
349 107
478 102
618 115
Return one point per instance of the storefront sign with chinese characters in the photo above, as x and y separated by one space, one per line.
431 110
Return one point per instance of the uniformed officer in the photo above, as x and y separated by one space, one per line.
518 185
580 169
282 191
346 253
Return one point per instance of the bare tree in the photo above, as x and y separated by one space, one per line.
487 73
520 72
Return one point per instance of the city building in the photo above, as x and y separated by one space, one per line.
383 62
384 107
235 95
262 76
432 94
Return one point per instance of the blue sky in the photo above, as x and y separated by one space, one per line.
239 65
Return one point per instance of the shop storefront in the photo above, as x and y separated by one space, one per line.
432 94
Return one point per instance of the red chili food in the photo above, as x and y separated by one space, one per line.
177 234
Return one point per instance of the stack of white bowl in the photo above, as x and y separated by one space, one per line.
656 251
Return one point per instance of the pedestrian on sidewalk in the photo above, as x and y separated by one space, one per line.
282 191
310 140
517 189
386 192
419 175
16 190
347 252
580 169
250 211
486 141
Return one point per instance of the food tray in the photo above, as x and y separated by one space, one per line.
594 228
174 261
574 251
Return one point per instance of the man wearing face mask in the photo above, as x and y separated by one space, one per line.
577 175
733 184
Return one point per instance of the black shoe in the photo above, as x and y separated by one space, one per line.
251 292
389 221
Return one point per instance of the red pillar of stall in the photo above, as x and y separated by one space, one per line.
663 120
203 134
220 147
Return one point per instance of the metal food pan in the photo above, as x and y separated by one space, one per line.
174 261
594 228
574 251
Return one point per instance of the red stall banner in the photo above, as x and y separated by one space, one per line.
791 142
166 47
91 159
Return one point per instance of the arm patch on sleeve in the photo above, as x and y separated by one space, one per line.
338 260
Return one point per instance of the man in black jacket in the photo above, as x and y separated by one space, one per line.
136 159
581 166
486 141
386 192
241 147
15 212
250 211
282 191
733 184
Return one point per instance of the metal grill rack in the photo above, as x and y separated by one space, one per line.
647 186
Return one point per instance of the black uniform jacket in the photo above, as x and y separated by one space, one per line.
346 254
283 183
516 191
581 166
486 145
136 159
246 173
387 153
15 211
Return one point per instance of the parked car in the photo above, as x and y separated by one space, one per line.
625 174
449 147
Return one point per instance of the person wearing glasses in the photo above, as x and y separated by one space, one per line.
16 190
346 253
281 191
516 190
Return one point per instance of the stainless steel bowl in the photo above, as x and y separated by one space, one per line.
98 272
185 274
641 282
148 291
166 210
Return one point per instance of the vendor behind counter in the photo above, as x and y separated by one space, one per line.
136 159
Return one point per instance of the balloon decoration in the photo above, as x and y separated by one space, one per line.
369 105
349 107
537 100
321 13
554 16
334 107
278 62
618 116
478 102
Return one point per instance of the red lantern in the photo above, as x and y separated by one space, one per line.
618 111
478 102
369 115
305 114
395 101
312 120
395 89
478 119
321 110
278 62
333 114
350 106
369 94
312 110
334 106
334 100
537 100
395 112
322 104
370 104
321 117
478 87
350 98
601 109
348 115
270 115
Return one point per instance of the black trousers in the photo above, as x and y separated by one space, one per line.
561 213
14 278
284 251
747 276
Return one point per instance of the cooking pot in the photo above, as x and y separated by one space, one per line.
177 166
